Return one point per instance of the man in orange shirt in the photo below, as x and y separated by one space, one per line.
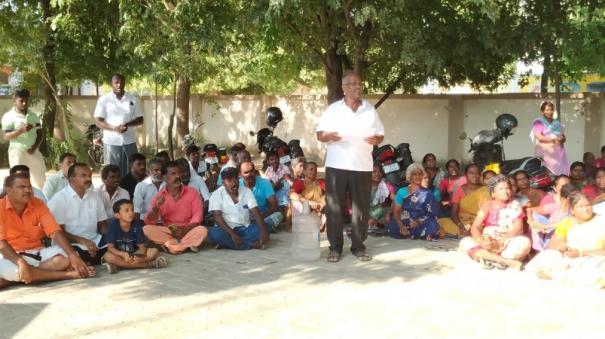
24 222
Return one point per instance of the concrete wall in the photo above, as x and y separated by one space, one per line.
440 124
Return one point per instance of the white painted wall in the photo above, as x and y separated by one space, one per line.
426 122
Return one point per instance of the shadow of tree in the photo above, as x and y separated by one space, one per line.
15 316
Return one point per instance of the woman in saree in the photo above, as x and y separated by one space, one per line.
527 195
553 208
576 253
311 190
450 184
436 173
598 203
548 135
497 238
380 200
415 210
465 204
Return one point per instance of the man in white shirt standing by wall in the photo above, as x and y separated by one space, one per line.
115 113
350 127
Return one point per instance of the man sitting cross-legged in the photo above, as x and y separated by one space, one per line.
81 213
264 195
126 242
24 222
181 211
231 206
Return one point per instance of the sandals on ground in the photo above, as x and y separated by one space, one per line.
333 256
159 262
363 256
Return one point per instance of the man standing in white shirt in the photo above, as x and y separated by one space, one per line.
350 127
80 212
115 113
146 189
58 181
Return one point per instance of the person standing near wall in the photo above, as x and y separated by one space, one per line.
548 135
23 130
115 113
350 127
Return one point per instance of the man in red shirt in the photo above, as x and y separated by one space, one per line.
24 222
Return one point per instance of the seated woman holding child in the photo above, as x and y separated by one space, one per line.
465 204
576 253
415 209
497 238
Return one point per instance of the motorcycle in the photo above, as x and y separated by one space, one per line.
267 142
393 161
488 154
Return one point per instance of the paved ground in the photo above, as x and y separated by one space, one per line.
408 290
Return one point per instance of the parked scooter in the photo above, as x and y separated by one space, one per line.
488 153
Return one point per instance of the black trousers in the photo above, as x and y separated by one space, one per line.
359 185
87 258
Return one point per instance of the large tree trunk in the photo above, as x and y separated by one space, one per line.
182 108
171 120
50 105
333 70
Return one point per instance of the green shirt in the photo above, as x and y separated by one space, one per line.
13 120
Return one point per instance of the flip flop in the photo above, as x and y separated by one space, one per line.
486 265
363 256
333 257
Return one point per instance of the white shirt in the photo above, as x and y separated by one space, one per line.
54 184
117 112
143 192
196 182
108 201
351 152
201 168
80 216
235 215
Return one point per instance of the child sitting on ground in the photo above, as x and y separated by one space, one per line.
126 242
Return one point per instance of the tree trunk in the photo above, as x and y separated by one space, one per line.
155 119
182 108
171 120
50 103
333 70
557 76
545 71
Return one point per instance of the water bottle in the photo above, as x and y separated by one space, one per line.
305 233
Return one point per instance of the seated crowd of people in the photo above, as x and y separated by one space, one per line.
62 230
65 228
